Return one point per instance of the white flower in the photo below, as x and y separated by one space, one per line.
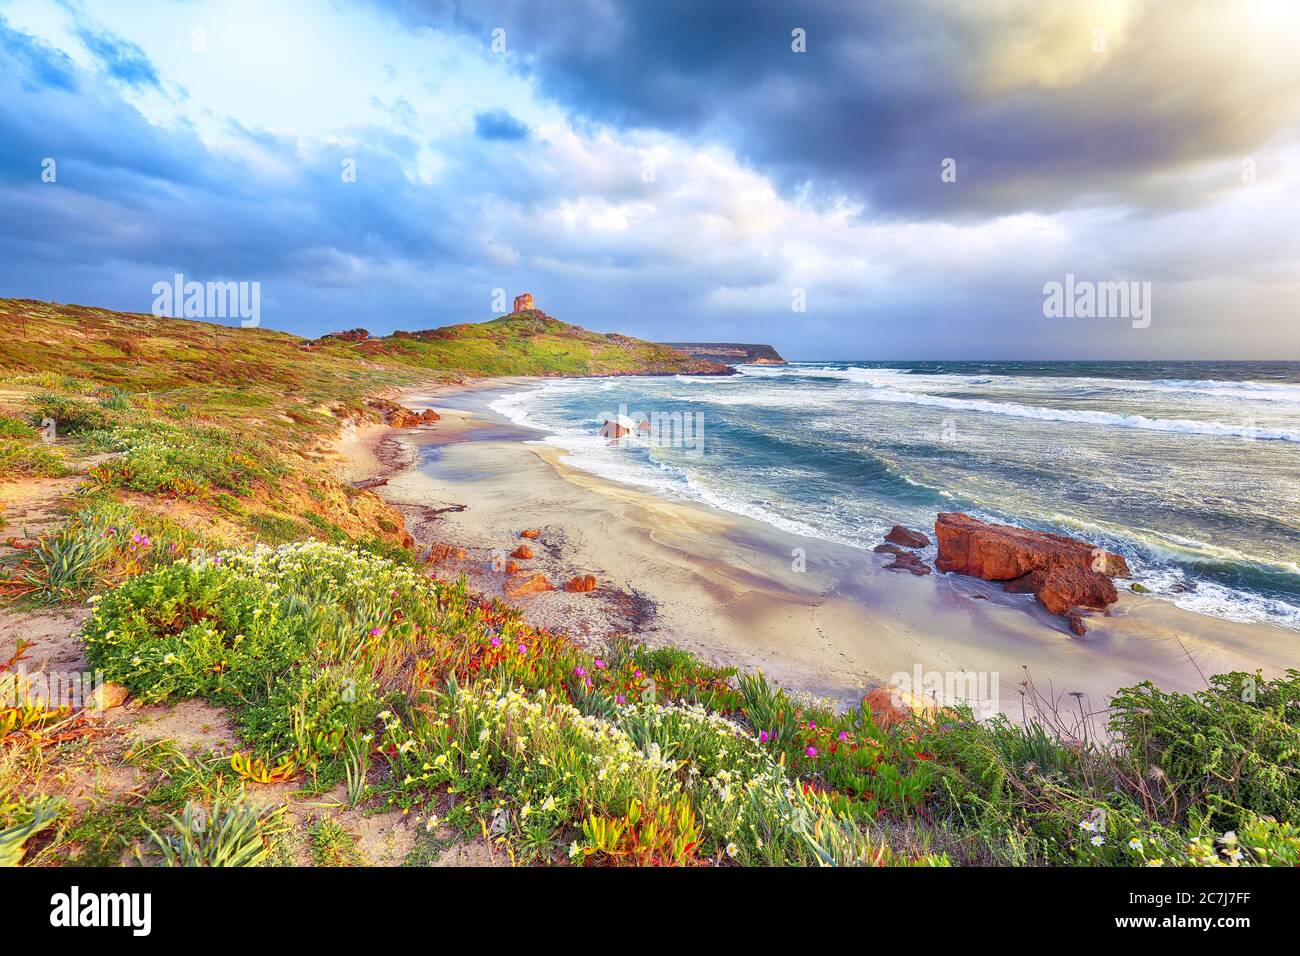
1098 840
1135 844
732 850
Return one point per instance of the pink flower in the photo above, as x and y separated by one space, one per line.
374 632
620 699
496 642
599 664
844 735
580 671
523 648
811 751
636 673
763 737
812 725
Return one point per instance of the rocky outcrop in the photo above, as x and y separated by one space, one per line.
998 552
351 335
405 418
907 537
730 353
1065 574
524 302
581 584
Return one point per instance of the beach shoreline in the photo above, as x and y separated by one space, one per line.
728 587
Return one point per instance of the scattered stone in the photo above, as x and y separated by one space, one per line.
1074 618
889 549
530 533
110 695
512 567
908 561
891 705
1139 588
523 552
581 584
527 583
907 537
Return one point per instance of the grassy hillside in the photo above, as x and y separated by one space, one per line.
527 343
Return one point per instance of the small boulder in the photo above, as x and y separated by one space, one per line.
1074 618
907 537
530 533
908 561
520 585
888 549
108 696
522 552
581 584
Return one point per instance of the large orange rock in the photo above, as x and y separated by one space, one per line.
1063 573
523 552
998 552
405 418
519 585
581 584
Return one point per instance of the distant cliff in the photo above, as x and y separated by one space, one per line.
729 352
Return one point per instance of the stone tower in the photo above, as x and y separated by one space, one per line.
524 302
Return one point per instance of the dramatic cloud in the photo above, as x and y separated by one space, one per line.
672 170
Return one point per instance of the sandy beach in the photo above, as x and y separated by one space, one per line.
731 589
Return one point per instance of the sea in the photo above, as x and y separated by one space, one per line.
1191 470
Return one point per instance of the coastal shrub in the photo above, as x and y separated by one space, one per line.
72 416
163 459
28 459
101 544
235 833
1223 755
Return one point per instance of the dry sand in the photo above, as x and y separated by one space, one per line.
674 572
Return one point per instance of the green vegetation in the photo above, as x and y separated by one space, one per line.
632 755
223 562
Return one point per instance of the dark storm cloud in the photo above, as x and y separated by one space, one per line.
887 90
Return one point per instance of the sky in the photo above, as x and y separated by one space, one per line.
842 179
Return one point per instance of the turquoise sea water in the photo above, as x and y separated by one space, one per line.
1189 469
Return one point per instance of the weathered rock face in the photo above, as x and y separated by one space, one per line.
1067 587
907 537
524 303
997 552
1065 574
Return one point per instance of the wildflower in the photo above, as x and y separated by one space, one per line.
1087 825
1155 862
600 665
374 632
844 735
1135 844
495 642
811 751
620 699
523 648
1098 840
732 850
580 671
763 737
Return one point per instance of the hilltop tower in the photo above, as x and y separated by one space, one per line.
524 303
